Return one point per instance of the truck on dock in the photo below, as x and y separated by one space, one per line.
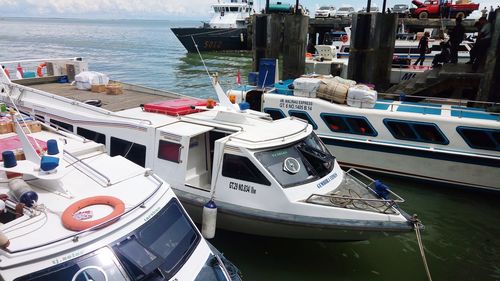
440 8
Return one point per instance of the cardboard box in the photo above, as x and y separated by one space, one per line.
33 126
114 89
19 154
98 88
6 127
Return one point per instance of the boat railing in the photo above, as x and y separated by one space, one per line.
78 160
461 105
357 192
75 237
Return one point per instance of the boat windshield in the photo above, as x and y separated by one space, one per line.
302 162
155 251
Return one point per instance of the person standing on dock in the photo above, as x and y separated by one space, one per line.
456 37
422 48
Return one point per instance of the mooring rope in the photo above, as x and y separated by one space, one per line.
417 225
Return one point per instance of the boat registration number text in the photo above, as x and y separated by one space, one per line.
242 187
296 104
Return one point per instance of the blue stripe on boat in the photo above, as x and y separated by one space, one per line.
382 106
420 108
467 114
414 152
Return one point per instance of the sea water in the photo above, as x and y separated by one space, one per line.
462 234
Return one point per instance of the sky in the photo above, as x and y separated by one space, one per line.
153 9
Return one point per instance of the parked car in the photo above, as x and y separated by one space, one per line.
401 9
325 12
373 9
345 11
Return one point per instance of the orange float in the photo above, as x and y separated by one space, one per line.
72 223
39 68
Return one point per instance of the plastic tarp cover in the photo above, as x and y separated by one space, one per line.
86 79
306 87
361 96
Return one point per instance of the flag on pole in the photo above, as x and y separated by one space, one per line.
238 78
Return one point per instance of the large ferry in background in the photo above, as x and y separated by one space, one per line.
226 30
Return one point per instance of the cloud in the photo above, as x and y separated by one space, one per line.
112 8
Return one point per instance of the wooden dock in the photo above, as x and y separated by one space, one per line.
133 95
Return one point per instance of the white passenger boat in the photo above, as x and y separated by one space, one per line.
434 139
71 212
270 178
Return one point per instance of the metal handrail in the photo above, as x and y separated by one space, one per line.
76 236
388 202
461 110
78 160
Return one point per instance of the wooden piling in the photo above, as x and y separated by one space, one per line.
490 83
372 48
294 45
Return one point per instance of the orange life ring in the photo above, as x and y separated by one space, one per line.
72 223
39 69
344 38
309 55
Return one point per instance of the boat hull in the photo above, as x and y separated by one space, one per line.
213 39
271 224
457 170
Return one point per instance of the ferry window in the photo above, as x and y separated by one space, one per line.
416 131
91 135
132 151
401 130
233 9
430 133
480 138
304 116
336 123
275 113
348 124
61 124
239 167
169 151
359 126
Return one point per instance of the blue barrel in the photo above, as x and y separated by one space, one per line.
252 78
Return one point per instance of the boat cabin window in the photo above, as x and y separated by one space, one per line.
480 138
99 265
348 124
239 167
169 151
275 113
91 135
132 151
60 124
165 242
233 9
304 116
305 161
415 131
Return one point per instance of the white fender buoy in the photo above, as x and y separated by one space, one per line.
22 192
4 241
209 220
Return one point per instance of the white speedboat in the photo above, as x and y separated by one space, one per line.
439 140
270 178
69 211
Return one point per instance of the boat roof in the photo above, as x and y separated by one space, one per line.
84 171
253 131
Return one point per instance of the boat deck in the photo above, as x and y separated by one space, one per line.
133 95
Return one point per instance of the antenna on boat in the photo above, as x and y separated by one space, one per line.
223 99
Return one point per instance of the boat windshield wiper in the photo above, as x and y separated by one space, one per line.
316 153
